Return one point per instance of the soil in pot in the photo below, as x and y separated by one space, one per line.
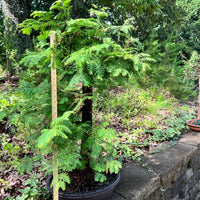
193 125
84 187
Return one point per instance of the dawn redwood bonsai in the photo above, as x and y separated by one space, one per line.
91 55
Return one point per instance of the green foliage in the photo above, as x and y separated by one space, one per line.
190 23
190 70
192 66
91 50
173 128
10 151
2 51
168 70
4 184
45 21
103 156
8 54
30 108
100 147
144 117
26 165
100 177
85 52
37 63
147 15
129 101
11 155
33 191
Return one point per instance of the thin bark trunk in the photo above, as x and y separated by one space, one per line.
15 12
198 116
163 87
86 117
87 107
164 75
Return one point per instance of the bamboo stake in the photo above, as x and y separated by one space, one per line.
54 114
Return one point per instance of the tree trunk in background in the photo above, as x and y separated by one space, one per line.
15 12
198 116
87 107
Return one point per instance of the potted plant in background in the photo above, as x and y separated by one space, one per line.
91 55
194 63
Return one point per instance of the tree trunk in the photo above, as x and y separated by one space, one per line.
87 107
15 12
86 117
198 116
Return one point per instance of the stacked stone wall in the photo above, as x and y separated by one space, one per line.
171 173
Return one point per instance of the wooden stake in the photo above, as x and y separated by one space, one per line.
54 114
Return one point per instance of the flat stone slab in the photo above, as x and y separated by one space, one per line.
172 162
136 183
116 196
192 138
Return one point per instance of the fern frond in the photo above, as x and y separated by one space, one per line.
58 132
63 118
42 15
114 166
77 25
34 58
64 177
45 139
62 128
118 71
99 177
127 29
60 4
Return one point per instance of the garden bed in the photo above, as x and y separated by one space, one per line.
134 131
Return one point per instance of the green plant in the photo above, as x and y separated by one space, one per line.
9 151
167 73
32 190
26 107
4 185
72 154
92 60
9 57
193 64
173 127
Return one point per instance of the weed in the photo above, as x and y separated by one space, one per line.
33 190
9 151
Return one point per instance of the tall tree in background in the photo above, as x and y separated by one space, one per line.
2 46
191 23
15 12
147 15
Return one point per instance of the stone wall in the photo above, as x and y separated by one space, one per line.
172 173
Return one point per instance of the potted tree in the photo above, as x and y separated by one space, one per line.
91 55
194 62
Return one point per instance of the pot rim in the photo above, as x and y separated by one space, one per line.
192 120
111 186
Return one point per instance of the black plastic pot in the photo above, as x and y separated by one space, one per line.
99 194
